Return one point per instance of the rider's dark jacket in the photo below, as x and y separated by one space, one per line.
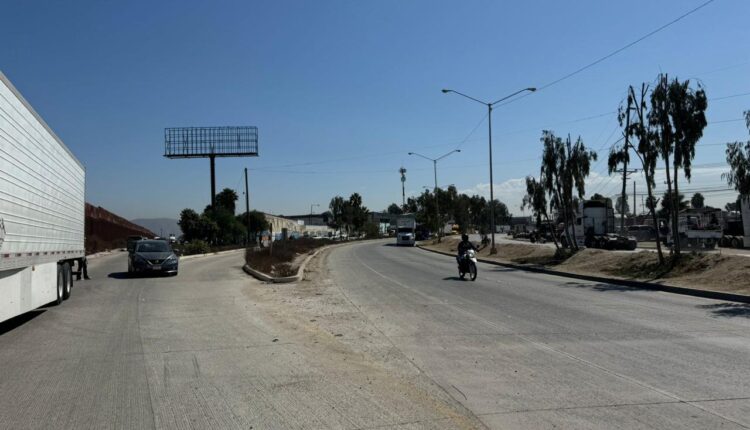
464 246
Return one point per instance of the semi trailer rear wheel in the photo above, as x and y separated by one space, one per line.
60 287
68 278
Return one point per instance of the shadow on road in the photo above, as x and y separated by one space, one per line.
453 278
18 321
126 275
603 287
504 269
728 309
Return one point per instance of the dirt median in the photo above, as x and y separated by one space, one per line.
340 341
706 271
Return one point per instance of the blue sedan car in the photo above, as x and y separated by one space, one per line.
152 256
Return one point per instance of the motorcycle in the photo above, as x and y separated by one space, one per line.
467 263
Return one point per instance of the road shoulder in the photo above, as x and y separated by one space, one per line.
339 339
661 285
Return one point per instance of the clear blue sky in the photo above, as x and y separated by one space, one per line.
350 87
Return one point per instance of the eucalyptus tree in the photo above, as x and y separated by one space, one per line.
578 168
678 119
551 178
337 207
621 205
536 200
620 155
738 158
647 151
565 166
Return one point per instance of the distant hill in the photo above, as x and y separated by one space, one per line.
160 226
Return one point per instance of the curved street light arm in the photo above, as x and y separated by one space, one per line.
468 97
530 89
443 156
420 155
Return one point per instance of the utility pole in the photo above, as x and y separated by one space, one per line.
247 209
623 198
634 207
402 171
625 167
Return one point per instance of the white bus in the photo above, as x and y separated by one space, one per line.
42 214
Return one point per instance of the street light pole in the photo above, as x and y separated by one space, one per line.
309 220
437 201
434 167
493 249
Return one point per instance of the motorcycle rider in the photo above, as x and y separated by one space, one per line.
464 246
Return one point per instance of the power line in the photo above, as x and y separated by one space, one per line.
729 96
726 120
472 131
617 51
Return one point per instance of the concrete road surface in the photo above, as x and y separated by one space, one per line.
523 350
197 351
377 337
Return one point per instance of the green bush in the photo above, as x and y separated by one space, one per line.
196 247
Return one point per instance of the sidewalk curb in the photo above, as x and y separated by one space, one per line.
707 294
190 257
300 270
284 279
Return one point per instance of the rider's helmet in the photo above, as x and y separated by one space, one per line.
465 237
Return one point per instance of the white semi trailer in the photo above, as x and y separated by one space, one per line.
42 214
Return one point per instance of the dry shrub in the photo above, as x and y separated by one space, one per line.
279 260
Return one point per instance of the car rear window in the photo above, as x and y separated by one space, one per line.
155 246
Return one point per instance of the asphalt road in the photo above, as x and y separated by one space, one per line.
524 350
388 337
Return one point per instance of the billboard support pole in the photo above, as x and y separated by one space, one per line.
247 209
213 181
211 142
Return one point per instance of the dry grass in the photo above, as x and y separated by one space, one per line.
517 253
711 271
281 260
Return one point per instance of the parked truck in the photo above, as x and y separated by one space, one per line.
736 228
41 209
698 229
406 226
595 227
